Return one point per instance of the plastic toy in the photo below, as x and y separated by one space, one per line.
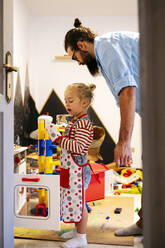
133 190
45 161
45 147
117 210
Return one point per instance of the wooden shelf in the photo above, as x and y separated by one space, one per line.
63 57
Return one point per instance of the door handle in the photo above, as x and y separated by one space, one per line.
9 68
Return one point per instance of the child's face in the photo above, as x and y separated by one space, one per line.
74 105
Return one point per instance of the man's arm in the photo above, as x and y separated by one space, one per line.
122 151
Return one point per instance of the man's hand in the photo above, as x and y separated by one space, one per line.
122 154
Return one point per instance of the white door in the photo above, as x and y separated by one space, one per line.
6 129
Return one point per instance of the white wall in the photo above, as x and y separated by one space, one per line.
21 41
43 40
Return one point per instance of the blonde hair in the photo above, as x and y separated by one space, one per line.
83 90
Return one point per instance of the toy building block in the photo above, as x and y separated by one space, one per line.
117 210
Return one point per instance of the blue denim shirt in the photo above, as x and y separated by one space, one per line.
117 55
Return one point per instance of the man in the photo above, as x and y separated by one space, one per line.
116 55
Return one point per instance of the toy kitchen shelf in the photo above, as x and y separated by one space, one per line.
20 160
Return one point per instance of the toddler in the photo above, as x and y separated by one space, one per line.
75 172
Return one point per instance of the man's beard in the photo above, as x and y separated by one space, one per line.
90 62
93 67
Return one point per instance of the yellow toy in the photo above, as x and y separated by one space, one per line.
45 156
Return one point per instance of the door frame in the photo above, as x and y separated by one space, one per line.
152 67
6 132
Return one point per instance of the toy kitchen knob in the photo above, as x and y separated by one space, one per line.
17 159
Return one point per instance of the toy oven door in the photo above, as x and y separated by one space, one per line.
37 201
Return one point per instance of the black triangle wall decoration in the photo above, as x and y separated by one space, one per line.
30 113
53 106
108 144
18 113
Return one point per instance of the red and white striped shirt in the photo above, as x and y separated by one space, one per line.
80 139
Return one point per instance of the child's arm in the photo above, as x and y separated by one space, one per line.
83 138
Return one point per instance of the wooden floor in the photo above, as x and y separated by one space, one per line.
102 222
27 243
30 243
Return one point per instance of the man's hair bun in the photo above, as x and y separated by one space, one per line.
77 23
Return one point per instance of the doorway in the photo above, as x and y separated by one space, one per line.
38 51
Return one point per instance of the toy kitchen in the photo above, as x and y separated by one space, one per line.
37 190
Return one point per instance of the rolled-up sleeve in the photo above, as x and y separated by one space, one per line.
115 68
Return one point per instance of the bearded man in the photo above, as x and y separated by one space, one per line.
116 56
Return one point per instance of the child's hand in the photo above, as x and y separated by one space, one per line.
53 133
